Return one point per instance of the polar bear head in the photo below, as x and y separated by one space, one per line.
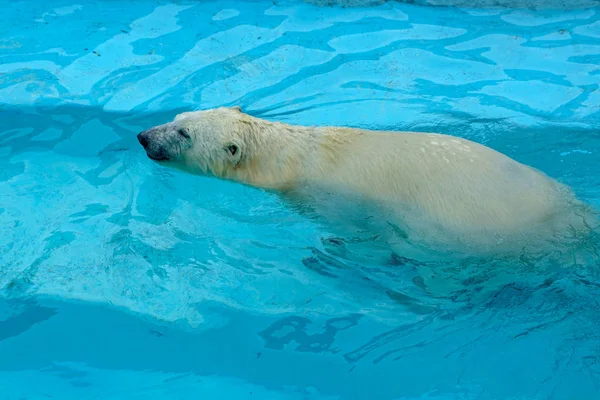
228 144
199 142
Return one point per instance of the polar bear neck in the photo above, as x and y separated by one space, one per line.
279 156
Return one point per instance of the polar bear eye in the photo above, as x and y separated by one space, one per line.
183 132
232 149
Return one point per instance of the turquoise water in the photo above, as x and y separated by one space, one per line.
120 279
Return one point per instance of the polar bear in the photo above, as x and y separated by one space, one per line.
445 192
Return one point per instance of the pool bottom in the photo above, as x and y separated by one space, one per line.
75 350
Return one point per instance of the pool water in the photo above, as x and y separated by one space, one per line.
120 279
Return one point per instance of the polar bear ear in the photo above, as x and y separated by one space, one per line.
234 153
237 108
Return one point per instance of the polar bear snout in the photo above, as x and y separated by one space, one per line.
152 142
143 138
164 142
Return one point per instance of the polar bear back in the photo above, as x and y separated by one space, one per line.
457 184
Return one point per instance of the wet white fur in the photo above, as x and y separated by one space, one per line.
442 189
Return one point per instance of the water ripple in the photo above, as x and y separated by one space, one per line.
165 58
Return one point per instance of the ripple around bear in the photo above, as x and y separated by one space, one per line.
444 192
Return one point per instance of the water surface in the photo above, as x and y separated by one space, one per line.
120 279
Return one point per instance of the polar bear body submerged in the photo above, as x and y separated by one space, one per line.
449 192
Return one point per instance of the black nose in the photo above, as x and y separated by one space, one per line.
143 139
